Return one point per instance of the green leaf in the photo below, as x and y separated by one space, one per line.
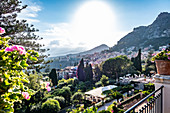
34 59
23 63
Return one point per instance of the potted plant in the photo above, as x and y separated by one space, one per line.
162 60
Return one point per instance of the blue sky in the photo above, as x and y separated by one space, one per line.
71 26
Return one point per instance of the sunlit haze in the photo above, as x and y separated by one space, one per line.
94 23
73 26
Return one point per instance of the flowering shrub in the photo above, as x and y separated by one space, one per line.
163 55
45 85
13 59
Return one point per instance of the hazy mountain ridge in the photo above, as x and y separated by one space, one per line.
73 59
91 51
156 34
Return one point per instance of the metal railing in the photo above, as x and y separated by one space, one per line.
155 105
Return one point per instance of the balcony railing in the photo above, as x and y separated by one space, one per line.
153 106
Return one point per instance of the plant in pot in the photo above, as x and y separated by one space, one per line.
162 60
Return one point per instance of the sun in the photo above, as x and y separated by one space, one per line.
93 23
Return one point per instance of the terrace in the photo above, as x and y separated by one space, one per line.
156 102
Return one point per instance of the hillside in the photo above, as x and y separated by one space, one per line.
72 59
156 34
91 51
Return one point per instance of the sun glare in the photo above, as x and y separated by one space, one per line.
94 23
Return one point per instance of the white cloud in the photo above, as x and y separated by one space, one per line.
30 13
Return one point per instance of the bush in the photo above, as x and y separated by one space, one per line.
111 82
47 97
136 96
51 106
35 108
61 100
136 91
104 111
108 99
149 87
98 84
145 93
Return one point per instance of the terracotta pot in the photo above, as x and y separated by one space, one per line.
163 67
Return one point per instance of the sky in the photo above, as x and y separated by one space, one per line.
72 26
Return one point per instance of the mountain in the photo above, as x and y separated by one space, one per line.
72 59
96 49
91 51
157 34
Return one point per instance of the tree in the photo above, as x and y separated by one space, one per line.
51 106
53 76
116 66
97 73
104 80
149 66
21 32
64 92
88 72
80 71
137 61
34 81
77 96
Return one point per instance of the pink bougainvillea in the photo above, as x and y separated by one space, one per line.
2 30
25 95
16 48
48 89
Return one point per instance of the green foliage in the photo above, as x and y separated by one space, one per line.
149 87
163 55
98 84
12 78
61 100
150 98
34 81
36 108
88 72
136 91
104 80
64 92
137 61
104 111
117 95
117 66
145 93
77 96
51 106
91 110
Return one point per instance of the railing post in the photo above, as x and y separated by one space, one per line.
161 100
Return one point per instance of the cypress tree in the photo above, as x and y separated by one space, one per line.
80 71
53 76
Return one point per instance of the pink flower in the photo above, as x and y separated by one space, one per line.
163 49
2 30
20 49
47 84
112 111
168 57
22 52
48 88
167 53
8 49
25 95
153 54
